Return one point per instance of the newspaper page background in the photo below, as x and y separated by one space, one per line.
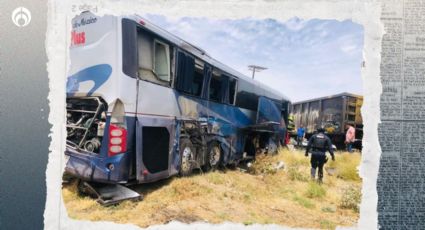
401 181
364 12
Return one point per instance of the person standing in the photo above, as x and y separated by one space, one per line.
300 135
350 137
319 143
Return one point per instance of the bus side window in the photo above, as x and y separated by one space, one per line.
190 74
198 78
161 60
232 91
215 88
154 59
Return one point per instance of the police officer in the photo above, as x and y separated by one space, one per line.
319 143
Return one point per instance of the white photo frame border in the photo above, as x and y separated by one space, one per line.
364 12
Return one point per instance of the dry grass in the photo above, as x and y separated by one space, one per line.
265 195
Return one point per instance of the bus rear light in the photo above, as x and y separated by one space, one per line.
117 141
117 130
116 133
115 149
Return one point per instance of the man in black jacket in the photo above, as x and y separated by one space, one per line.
319 143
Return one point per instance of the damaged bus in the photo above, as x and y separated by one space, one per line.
143 105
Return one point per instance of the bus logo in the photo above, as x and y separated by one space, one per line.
21 17
78 38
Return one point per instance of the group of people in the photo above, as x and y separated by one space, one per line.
319 143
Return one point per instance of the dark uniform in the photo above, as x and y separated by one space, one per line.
319 143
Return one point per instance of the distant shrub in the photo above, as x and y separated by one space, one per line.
350 199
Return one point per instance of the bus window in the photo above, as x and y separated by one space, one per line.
130 65
190 74
216 88
232 91
162 60
198 79
245 96
154 59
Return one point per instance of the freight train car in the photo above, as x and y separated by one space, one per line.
332 113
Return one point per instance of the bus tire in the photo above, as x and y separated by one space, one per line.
186 157
214 157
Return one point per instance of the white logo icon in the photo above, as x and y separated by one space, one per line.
21 16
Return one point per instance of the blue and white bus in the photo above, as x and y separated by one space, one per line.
143 105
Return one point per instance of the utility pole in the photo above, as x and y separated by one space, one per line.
256 68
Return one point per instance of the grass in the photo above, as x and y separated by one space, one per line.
295 174
346 166
314 190
325 224
351 198
264 195
328 209
306 203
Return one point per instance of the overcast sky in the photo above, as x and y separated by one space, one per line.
305 59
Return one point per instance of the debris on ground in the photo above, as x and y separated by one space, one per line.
280 165
330 171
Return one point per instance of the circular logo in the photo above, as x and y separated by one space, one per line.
21 17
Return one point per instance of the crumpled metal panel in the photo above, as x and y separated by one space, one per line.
109 194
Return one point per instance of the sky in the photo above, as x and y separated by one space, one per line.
304 59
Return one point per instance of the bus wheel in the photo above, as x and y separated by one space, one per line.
214 156
186 157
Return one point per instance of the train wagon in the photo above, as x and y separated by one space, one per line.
332 113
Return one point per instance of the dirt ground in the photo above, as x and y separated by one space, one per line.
262 195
